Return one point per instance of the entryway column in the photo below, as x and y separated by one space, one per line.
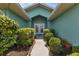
30 22
47 23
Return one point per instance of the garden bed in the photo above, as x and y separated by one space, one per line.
15 41
19 51
57 46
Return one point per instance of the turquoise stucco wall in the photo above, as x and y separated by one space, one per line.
67 25
22 22
38 11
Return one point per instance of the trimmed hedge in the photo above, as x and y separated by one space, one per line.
25 36
54 41
8 29
55 45
46 31
47 37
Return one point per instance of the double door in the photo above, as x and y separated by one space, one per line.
39 27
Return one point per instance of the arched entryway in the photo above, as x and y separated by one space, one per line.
39 23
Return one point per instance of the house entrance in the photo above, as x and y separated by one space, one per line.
39 23
39 29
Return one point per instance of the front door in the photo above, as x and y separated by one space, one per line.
39 29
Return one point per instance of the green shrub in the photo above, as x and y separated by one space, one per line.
46 31
74 54
63 41
66 46
8 30
24 42
75 49
47 37
31 32
54 32
54 41
27 32
55 45
25 36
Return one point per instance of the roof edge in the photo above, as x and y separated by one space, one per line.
60 9
40 5
18 9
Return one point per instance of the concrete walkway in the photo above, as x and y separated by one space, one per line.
39 48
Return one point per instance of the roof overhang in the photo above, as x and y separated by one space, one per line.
38 5
39 15
60 9
15 8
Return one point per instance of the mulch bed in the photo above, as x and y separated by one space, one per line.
19 51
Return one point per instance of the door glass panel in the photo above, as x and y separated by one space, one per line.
39 28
